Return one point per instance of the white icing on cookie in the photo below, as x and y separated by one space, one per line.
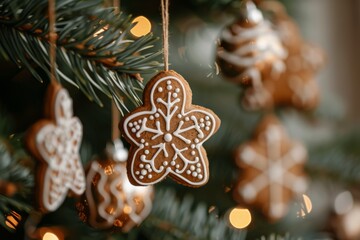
256 45
58 144
274 167
173 150
305 91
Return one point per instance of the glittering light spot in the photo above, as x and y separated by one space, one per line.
12 220
142 26
307 206
343 203
240 218
50 236
127 209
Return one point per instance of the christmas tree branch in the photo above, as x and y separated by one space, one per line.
182 220
95 47
339 159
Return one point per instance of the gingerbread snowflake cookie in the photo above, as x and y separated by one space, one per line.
167 134
272 167
55 142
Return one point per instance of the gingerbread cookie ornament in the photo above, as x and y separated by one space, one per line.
55 142
272 167
167 134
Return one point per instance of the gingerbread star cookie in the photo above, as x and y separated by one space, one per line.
167 133
55 142
272 167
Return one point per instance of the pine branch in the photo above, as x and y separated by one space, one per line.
95 49
173 219
279 237
339 159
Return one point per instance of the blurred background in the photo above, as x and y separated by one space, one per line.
330 132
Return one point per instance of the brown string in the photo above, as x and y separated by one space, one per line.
52 41
115 114
165 28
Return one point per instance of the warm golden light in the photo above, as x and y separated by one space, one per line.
50 236
240 218
307 206
142 26
127 209
12 220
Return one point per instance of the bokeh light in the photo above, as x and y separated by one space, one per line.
306 209
142 26
343 202
240 217
50 236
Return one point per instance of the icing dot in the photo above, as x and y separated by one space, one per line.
140 121
177 166
165 163
137 127
200 176
142 140
142 157
133 130
196 140
201 120
137 172
160 89
208 123
141 177
147 166
174 95
150 176
141 145
147 152
177 90
197 159
193 153
151 117
194 174
130 124
157 115
192 146
207 128
168 137
187 119
202 125
172 163
198 164
198 170
135 123
179 116
192 168
146 144
143 172
169 87
207 118
188 172
141 165
168 82
150 170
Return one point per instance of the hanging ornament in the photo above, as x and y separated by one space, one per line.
167 132
296 86
55 141
110 200
272 167
250 51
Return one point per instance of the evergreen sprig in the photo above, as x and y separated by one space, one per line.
95 49
175 219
